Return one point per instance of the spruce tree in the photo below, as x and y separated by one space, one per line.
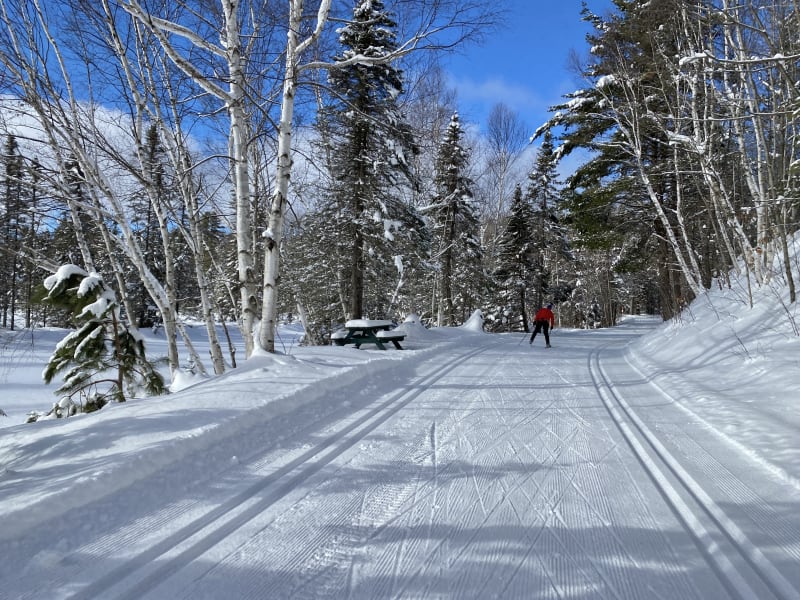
145 224
456 231
12 232
516 259
370 148
315 276
549 240
103 359
37 242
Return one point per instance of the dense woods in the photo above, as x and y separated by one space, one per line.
243 161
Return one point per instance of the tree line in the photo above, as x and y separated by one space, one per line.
249 159
691 117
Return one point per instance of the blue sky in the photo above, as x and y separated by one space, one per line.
524 63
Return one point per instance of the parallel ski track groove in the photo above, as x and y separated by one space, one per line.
664 469
273 487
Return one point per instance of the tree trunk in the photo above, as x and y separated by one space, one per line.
274 234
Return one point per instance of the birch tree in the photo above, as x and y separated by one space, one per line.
621 116
699 99
228 50
86 169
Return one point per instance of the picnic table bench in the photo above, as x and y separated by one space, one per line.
368 331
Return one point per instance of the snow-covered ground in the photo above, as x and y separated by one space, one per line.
649 460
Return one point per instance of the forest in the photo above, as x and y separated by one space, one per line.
247 161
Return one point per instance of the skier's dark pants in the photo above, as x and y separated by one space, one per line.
544 327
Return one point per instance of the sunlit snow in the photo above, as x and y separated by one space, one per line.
647 460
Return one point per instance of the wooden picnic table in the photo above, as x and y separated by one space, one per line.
368 331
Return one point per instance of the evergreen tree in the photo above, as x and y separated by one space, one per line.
13 232
549 239
315 276
371 143
103 359
78 238
37 243
456 231
145 224
516 260
637 200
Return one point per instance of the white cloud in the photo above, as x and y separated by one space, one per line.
494 90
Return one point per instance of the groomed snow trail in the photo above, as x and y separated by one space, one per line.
492 469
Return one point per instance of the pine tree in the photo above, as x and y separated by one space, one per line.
103 359
456 232
13 231
371 143
548 236
516 259
145 224
627 200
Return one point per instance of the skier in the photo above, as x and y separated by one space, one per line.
544 321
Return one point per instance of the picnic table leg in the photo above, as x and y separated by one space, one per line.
397 344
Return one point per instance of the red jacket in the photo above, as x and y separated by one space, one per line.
545 314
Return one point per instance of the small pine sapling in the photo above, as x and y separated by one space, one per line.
103 359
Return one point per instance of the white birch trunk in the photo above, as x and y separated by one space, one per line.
274 234
239 142
234 100
277 210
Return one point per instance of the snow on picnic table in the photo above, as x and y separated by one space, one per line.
478 469
366 323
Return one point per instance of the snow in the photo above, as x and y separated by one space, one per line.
63 273
606 80
695 57
646 460
353 323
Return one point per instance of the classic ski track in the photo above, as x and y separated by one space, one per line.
402 515
566 443
397 513
638 366
690 502
176 515
325 550
582 449
181 547
519 485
